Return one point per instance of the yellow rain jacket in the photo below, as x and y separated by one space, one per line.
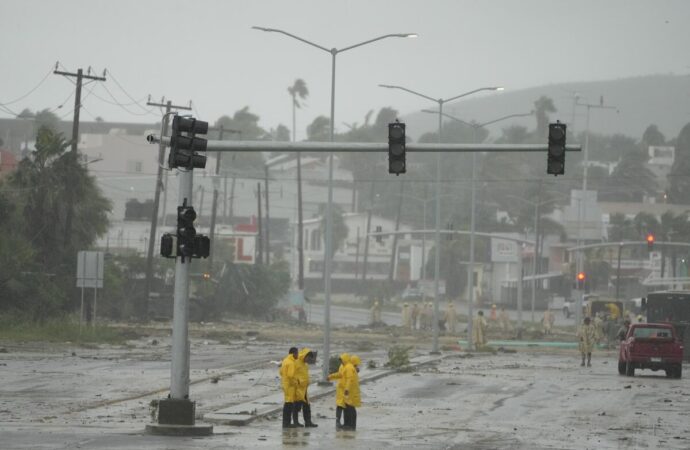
302 376
340 387
352 395
287 378
587 335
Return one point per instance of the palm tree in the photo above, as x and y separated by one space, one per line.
299 92
299 89
542 107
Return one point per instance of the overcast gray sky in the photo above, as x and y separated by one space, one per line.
206 51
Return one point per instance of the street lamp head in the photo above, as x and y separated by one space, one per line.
499 88
387 86
409 35
263 28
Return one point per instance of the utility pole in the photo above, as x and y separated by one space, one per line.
366 236
391 271
267 247
80 76
259 231
156 199
216 182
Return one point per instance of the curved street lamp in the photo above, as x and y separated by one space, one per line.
470 269
329 208
437 237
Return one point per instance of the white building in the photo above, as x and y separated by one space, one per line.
348 261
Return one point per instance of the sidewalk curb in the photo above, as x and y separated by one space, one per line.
245 413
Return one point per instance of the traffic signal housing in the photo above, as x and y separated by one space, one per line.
168 246
650 242
580 278
186 233
185 145
202 246
555 164
379 238
396 148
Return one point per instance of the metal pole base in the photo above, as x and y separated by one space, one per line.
176 417
179 430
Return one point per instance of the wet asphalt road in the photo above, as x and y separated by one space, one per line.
479 401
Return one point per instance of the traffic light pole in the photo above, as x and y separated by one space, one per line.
156 200
179 377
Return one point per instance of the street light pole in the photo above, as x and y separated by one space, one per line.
470 269
580 209
437 236
328 256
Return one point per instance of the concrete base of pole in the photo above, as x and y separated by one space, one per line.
176 412
177 418
179 430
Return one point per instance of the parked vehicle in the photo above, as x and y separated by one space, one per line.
570 305
608 307
671 307
652 346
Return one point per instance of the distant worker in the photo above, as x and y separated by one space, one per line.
479 330
289 384
372 313
351 393
304 358
586 335
547 322
504 320
414 314
623 330
451 318
406 316
424 319
340 389
614 311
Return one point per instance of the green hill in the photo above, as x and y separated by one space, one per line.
660 99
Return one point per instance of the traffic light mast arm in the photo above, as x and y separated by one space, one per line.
357 147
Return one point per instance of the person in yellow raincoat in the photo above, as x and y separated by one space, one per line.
406 319
289 383
351 392
340 389
587 336
451 318
479 330
504 320
413 316
305 357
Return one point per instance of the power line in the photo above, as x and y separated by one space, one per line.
30 91
125 91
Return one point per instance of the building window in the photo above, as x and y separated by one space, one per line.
135 166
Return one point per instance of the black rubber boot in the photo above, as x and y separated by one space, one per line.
350 418
295 414
338 416
287 415
307 416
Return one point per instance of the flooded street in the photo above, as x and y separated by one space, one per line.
99 398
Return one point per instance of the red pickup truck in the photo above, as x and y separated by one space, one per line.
651 346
